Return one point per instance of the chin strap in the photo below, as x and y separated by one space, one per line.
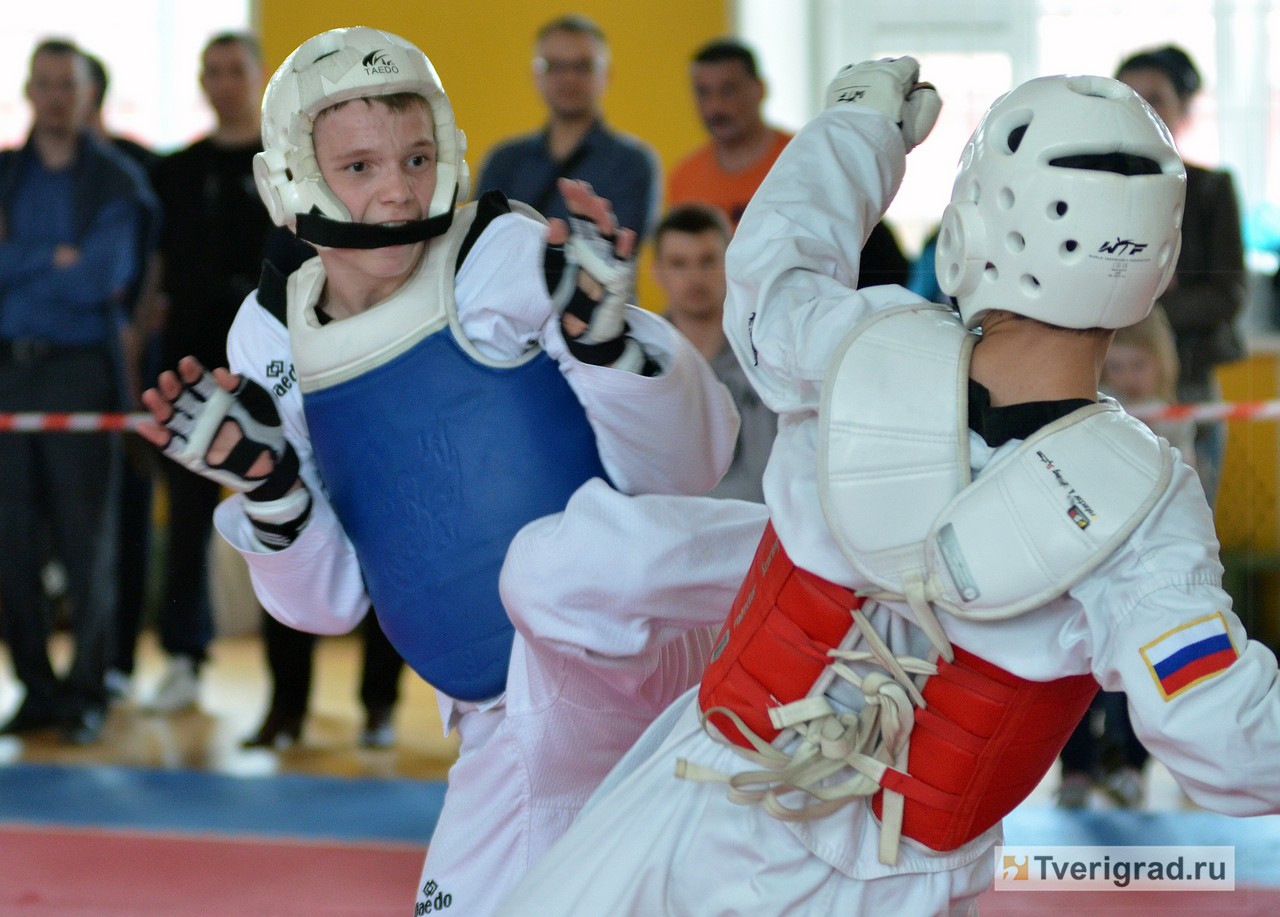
318 229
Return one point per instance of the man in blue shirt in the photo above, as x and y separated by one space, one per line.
71 211
571 70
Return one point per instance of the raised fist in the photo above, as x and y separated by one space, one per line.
891 86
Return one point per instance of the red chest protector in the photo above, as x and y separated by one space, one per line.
979 747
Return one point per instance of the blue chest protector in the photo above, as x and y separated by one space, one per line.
433 459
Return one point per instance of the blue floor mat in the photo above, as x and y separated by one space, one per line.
405 811
286 805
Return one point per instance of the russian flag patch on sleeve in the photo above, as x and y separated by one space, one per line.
1190 654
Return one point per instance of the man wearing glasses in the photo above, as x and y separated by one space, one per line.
571 69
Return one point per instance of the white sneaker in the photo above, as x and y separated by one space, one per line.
179 688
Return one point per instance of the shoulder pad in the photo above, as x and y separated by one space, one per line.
1031 527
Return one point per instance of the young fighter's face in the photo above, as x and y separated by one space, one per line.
381 163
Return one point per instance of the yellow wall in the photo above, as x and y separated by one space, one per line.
482 51
1248 509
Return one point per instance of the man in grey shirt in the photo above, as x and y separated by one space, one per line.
688 263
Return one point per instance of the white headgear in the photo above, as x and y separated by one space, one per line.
334 67
1067 207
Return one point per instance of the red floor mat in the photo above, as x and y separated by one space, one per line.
1243 902
71 872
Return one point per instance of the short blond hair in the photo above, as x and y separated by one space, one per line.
1154 335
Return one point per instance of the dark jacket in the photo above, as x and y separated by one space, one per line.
102 176
1209 284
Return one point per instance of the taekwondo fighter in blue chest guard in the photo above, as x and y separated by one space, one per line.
398 408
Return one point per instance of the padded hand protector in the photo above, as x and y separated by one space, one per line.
891 86
199 412
592 253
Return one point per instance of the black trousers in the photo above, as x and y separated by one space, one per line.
1086 752
185 618
62 486
290 658
185 615
138 473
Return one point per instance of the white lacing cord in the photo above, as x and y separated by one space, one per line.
868 741
919 594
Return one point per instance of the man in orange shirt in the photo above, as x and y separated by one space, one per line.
726 171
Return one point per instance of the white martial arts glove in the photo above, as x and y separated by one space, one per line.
891 86
588 251
276 510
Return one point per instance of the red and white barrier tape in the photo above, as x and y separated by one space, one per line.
1215 410
86 422
80 422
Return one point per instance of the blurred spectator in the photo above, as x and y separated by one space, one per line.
100 77
571 70
1141 372
74 216
688 264
140 360
741 148
729 93
1208 288
922 279
211 250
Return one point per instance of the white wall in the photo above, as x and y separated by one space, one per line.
151 49
976 49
